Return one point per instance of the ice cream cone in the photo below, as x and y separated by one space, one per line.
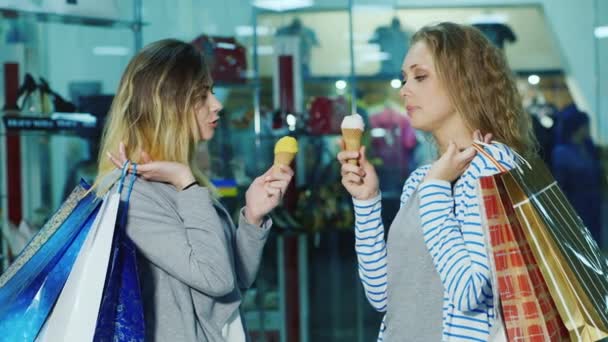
284 151
283 158
352 130
352 141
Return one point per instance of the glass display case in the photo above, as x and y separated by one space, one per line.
54 99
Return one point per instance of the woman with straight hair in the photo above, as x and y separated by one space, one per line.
194 261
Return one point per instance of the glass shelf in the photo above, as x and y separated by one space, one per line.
69 19
51 123
249 83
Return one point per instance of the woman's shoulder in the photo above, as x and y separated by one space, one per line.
487 163
418 175
142 193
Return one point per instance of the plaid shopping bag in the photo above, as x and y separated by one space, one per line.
528 311
570 261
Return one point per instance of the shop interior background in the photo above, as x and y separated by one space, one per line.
347 56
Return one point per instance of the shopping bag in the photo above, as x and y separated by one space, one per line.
528 310
32 284
74 316
570 261
39 251
121 315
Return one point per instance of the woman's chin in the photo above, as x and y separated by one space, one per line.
205 136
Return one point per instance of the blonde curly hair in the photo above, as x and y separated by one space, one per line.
480 83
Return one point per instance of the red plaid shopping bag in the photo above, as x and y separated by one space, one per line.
528 311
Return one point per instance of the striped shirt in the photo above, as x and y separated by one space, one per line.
454 235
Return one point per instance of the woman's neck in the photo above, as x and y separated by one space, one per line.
457 132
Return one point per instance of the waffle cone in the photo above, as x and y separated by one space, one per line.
352 141
283 158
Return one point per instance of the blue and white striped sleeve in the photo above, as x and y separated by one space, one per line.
412 183
371 250
460 261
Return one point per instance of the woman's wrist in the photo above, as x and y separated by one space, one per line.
251 218
369 196
186 180
189 186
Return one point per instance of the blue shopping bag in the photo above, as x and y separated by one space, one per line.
121 313
31 287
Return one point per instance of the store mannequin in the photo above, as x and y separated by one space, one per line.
394 41
308 39
497 32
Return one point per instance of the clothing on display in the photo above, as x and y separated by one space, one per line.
326 115
393 140
227 57
308 39
497 33
39 99
394 41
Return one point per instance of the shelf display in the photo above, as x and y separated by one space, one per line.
46 140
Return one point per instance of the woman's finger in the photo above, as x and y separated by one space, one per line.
344 156
341 144
353 178
145 157
465 156
488 138
344 173
286 170
268 172
122 151
118 159
270 191
282 185
477 135
349 168
277 177
142 168
115 161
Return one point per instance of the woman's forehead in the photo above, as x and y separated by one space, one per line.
418 56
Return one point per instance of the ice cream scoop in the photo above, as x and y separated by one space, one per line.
352 130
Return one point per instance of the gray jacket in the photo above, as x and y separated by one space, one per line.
193 260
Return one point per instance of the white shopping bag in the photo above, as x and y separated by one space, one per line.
74 317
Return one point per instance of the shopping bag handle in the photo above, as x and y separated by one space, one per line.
481 150
108 185
123 176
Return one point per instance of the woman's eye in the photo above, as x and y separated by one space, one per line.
420 78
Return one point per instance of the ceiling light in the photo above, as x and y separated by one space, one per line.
111 51
601 32
533 79
282 5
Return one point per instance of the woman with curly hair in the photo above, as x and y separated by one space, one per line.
433 277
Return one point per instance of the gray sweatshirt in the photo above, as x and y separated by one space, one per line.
193 260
